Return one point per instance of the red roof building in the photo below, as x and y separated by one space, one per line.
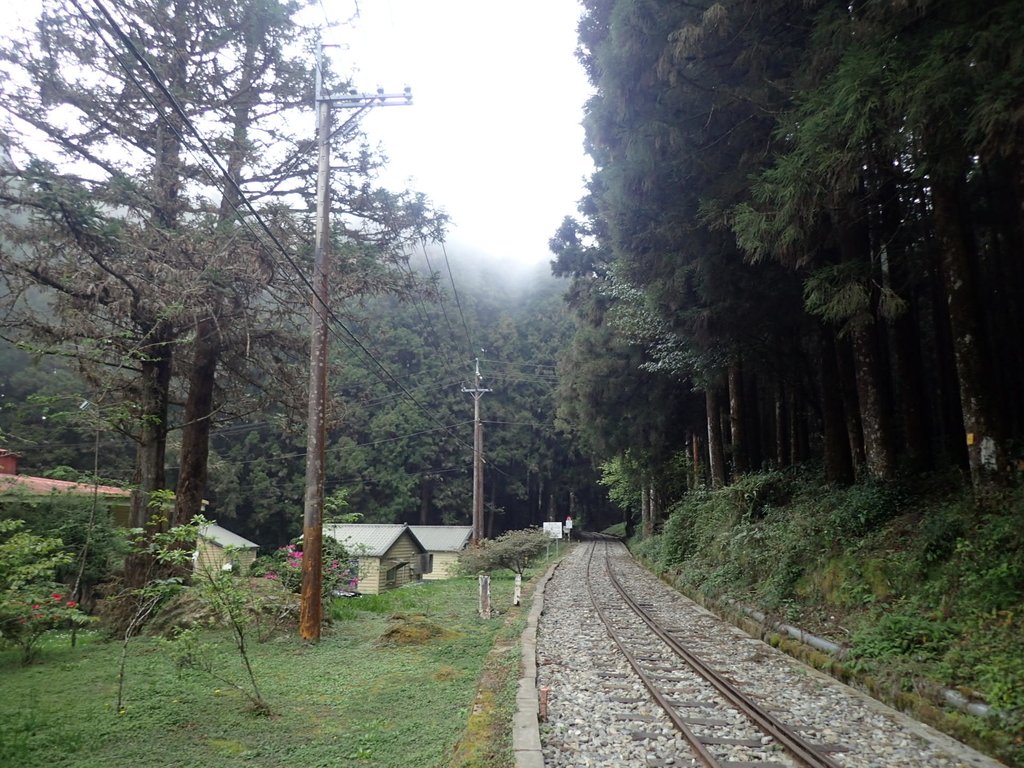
10 480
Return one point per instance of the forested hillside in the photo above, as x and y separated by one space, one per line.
396 452
403 452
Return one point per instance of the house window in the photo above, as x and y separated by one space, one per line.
391 576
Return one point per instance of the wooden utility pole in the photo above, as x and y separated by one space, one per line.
310 606
478 457
310 601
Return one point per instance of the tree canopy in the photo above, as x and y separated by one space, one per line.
805 215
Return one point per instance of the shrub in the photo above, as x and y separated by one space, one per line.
514 550
284 565
861 508
898 634
31 600
990 565
88 533
755 495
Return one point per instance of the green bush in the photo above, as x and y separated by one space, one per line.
514 550
755 495
31 600
856 511
918 637
284 565
990 564
81 529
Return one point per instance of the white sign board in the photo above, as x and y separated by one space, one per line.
568 523
554 530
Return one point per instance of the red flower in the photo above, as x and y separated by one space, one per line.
57 596
72 604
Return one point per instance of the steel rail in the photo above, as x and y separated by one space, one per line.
797 748
696 744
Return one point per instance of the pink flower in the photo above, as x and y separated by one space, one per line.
270 575
72 604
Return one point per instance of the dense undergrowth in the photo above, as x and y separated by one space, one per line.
922 585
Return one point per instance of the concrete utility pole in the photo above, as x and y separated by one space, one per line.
310 606
478 457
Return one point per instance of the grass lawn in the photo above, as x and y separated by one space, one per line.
348 700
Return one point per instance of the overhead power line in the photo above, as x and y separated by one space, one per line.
179 110
335 322
458 302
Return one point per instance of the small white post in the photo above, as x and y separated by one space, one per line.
485 596
517 595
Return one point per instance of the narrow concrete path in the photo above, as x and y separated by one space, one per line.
526 725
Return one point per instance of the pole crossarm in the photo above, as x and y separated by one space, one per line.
355 100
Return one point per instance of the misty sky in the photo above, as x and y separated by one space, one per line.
494 135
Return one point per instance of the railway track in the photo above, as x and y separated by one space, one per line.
638 675
702 731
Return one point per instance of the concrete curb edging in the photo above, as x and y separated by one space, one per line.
526 725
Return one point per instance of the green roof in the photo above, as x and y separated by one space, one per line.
372 539
443 538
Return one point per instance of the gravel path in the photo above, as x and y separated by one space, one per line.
600 714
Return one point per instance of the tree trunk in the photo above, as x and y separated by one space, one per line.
737 415
752 424
986 451
195 436
491 509
874 416
426 491
208 344
716 453
876 421
799 440
1009 205
696 453
781 427
540 499
647 525
949 425
154 382
837 459
912 393
851 408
